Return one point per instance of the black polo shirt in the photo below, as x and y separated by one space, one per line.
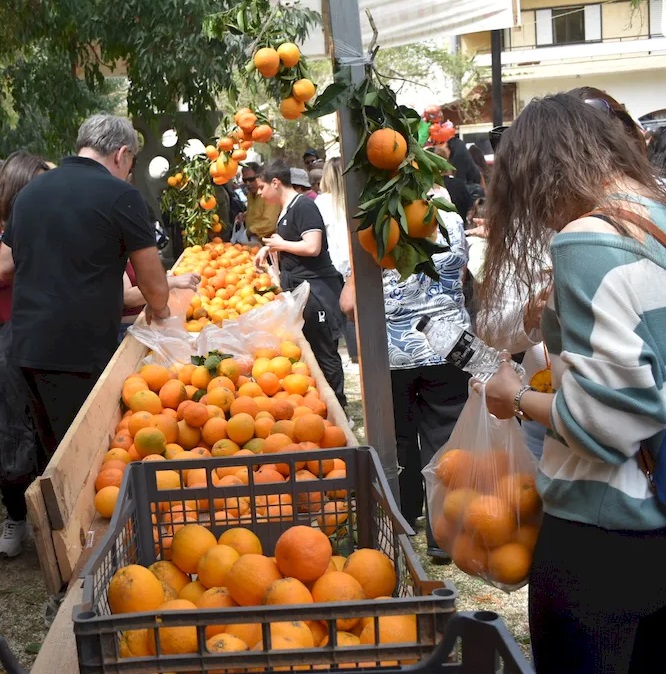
302 216
70 231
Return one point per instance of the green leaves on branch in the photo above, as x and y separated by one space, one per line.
385 195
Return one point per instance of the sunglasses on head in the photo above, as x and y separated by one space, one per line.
604 106
249 180
495 135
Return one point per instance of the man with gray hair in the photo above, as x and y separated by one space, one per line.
66 245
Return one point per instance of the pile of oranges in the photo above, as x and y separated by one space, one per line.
263 406
286 62
230 284
234 571
488 514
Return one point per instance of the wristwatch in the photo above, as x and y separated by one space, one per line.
516 403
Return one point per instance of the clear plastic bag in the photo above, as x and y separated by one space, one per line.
20 449
483 504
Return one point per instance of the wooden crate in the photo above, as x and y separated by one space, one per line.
61 501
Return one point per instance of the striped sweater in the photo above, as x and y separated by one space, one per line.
605 328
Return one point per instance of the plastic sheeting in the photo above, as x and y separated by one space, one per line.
404 21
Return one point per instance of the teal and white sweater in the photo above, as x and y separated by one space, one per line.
605 328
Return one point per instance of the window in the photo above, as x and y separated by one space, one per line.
568 25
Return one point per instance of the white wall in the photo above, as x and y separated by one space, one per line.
641 92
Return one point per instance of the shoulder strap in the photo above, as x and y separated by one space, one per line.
640 221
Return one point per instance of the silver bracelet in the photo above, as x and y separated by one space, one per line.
516 403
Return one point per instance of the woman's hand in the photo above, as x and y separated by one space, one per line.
534 308
184 281
260 257
274 241
501 389
348 298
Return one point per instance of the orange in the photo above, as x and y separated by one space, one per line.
303 552
182 407
214 429
527 535
134 644
240 428
105 500
280 366
291 108
242 540
296 631
336 473
222 397
191 392
296 383
269 383
421 219
260 366
134 455
145 401
333 437
489 518
244 404
167 479
456 503
224 643
224 447
174 640
393 629
172 394
338 586
216 597
251 389
188 437
344 639
229 368
303 90
132 385
249 633
116 454
134 588
509 564
150 441
275 442
263 426
185 372
262 133
289 54
215 412
138 421
520 492
250 577
192 591
155 376
339 561
189 545
469 554
373 570
121 440
386 149
170 574
332 518
168 425
195 415
455 468
368 240
267 61
214 565
172 450
300 368
288 591
116 464
309 428
282 410
111 477
201 377
300 411
222 382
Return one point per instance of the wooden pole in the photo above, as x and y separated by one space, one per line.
344 29
496 69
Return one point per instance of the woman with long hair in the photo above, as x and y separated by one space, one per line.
568 171
19 446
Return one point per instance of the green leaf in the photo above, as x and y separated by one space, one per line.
443 205
199 395
406 259
424 132
198 360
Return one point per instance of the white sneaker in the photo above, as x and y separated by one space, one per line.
13 535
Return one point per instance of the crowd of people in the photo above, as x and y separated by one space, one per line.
557 255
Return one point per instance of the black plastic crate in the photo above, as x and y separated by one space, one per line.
372 520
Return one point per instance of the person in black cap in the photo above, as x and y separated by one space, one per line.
310 156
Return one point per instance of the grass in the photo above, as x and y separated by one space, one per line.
23 596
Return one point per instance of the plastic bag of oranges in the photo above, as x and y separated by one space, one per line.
483 504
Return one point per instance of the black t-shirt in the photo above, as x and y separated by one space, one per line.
460 196
303 216
70 231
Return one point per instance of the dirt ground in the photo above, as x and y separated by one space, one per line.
23 598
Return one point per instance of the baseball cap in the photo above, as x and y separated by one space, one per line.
310 152
299 177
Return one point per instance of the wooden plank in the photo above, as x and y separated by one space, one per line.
68 470
58 652
41 530
344 29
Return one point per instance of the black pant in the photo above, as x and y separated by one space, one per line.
350 338
427 402
321 332
597 601
56 399
13 498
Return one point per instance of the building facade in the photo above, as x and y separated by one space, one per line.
613 45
